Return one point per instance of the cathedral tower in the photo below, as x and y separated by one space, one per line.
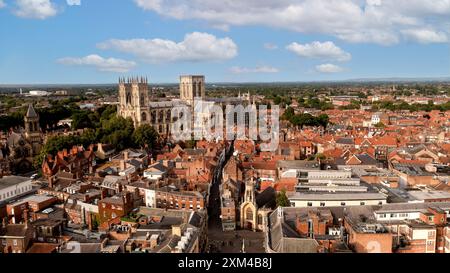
191 88
134 100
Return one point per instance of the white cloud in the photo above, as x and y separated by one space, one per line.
319 50
2 4
258 69
425 36
270 46
74 2
195 47
35 9
102 64
359 21
329 68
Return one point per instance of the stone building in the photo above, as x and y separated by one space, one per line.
136 103
254 209
21 147
192 87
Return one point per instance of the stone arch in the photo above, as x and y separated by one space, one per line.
248 216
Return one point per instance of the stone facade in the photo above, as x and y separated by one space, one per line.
134 101
19 148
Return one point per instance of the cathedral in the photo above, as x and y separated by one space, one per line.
136 103
19 148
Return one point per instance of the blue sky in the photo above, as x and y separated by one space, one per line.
92 41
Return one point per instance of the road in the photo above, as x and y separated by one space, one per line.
214 222
227 242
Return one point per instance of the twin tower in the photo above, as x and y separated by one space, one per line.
134 101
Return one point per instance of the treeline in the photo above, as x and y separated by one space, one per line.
301 120
416 107
111 129
12 120
48 116
315 103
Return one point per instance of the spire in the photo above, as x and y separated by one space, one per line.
31 113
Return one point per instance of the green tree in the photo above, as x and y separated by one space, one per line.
117 131
145 136
323 120
282 199
81 120
288 114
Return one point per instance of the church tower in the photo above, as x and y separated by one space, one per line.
32 130
134 100
192 88
249 208
250 192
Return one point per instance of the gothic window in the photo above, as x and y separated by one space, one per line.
153 117
168 116
144 116
249 214
128 98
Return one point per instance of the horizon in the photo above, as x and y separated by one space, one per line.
390 80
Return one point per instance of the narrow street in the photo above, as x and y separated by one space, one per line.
232 241
214 222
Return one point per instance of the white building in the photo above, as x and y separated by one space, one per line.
14 186
303 200
156 171
150 198
38 93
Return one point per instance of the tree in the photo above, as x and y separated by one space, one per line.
145 136
288 114
117 131
282 199
81 120
323 120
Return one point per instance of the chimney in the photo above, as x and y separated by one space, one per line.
125 155
51 181
123 165
104 193
25 217
65 153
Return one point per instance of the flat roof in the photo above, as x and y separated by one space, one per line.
10 181
34 198
298 164
336 196
425 195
